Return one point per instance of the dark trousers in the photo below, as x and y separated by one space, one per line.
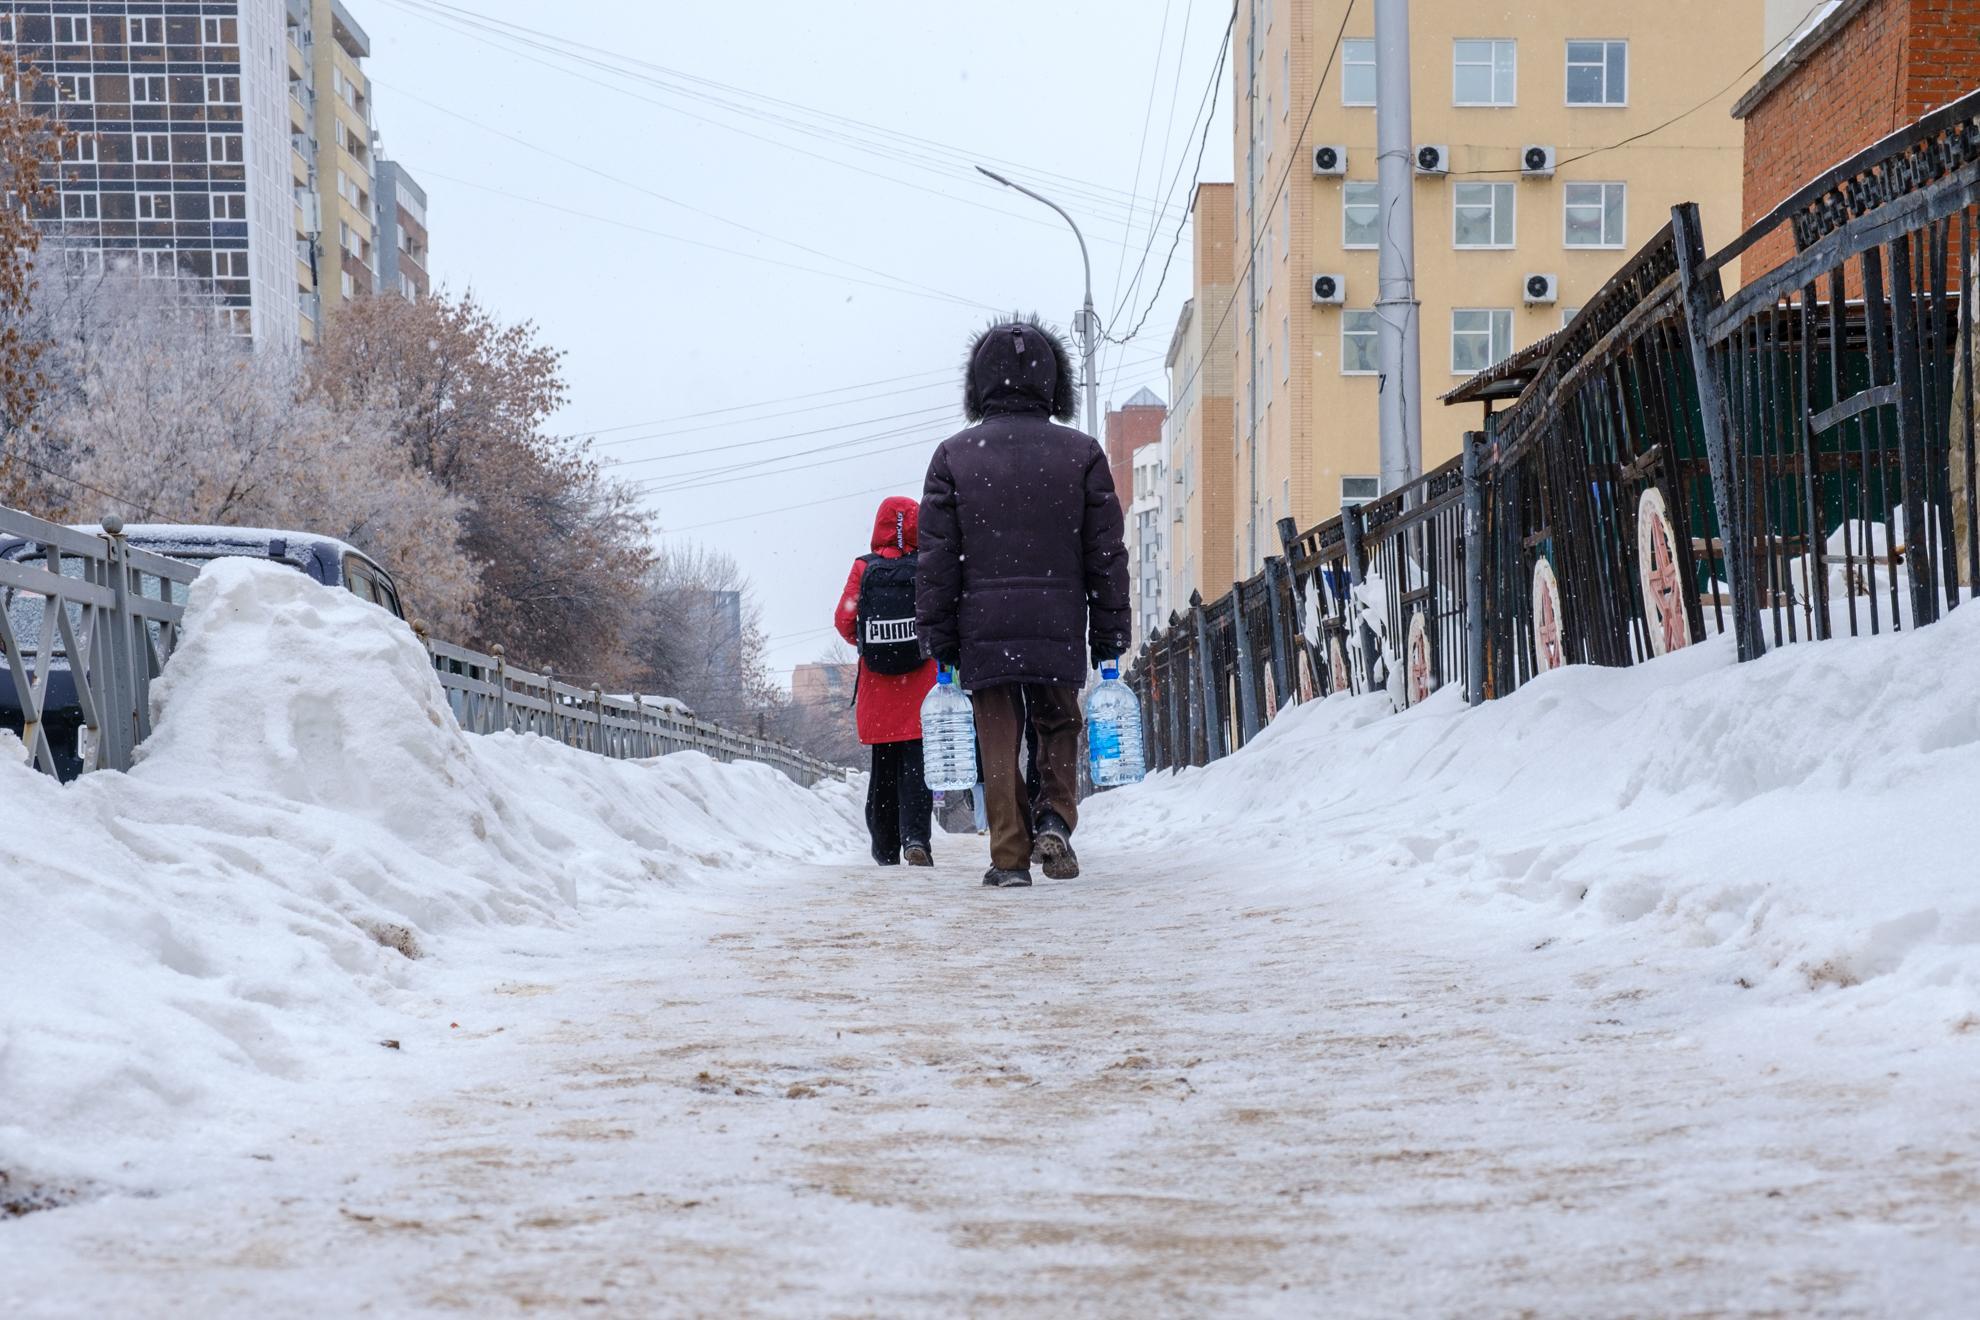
898 803
1002 714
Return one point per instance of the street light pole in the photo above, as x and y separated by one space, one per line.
1397 331
1089 324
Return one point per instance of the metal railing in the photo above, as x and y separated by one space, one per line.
1791 462
490 695
86 622
91 621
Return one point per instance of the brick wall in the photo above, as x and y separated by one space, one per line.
1885 63
1128 429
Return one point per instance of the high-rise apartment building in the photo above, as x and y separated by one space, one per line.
174 144
1551 139
1199 426
227 142
1135 423
345 248
401 230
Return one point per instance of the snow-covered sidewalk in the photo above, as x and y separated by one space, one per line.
1653 992
1180 1086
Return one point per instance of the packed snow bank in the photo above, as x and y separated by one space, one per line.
1805 823
249 906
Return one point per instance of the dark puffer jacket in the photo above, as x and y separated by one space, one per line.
1023 570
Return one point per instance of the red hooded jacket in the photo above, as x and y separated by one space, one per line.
889 705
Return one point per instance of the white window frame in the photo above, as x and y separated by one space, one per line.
1499 317
145 30
1500 193
84 146
1351 316
1285 348
227 201
75 88
1373 490
148 142
218 83
82 260
6 29
157 264
1349 48
348 285
1601 206
146 82
88 206
154 206
1372 191
235 260
216 148
68 23
1567 316
1569 64
1491 66
213 32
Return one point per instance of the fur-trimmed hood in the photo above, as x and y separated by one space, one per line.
1019 365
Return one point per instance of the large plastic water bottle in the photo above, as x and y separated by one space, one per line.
1113 731
948 736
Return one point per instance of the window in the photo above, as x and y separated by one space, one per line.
154 206
1358 72
147 31
152 149
155 264
1361 210
1482 215
72 29
1567 316
1594 215
230 265
76 88
1359 490
220 31
82 261
6 29
1480 336
1285 81
223 89
350 286
1483 72
79 206
1359 353
223 148
1598 73
148 89
230 206
1285 348
79 147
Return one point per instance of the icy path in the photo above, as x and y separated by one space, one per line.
1171 1088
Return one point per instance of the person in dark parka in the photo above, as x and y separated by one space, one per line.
1023 580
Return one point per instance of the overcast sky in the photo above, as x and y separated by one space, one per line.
608 195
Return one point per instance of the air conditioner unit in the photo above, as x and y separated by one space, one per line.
1329 290
1330 159
1433 158
1536 162
1542 288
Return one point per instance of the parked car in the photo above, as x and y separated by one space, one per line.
322 558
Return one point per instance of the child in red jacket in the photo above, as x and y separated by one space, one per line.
876 615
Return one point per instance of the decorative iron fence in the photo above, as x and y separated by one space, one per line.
1783 464
86 622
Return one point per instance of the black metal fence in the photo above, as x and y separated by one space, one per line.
1788 463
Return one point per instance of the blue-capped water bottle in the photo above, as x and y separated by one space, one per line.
1113 731
948 736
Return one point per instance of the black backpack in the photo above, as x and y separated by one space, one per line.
884 618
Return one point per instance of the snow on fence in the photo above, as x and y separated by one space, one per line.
118 609
1820 422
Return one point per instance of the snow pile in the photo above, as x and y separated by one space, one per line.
248 908
1803 823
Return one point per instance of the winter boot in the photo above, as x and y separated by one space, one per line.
882 859
998 877
917 854
1053 848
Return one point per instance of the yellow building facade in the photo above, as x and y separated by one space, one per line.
330 159
1560 136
